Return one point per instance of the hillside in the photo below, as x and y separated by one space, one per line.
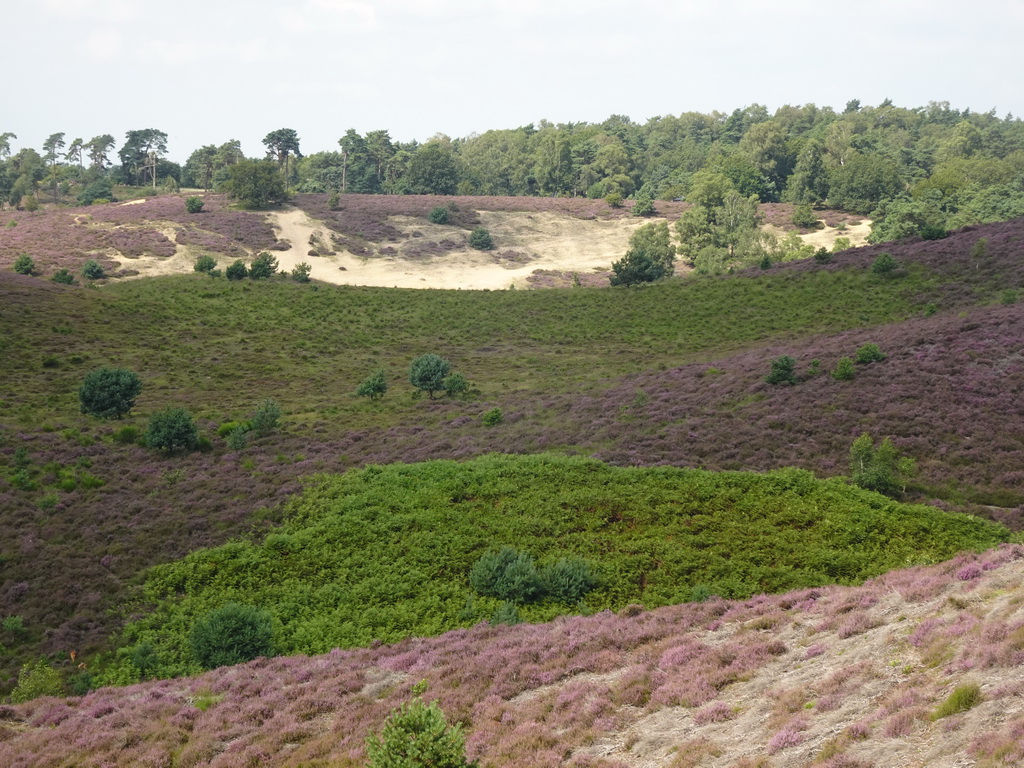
844 677
670 374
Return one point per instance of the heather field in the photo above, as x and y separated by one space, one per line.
916 667
670 375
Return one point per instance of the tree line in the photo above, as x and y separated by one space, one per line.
930 166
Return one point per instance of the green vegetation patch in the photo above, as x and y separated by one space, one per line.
386 552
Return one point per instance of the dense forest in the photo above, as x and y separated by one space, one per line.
911 169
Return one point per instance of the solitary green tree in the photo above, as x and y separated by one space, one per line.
783 371
231 634
417 735
255 183
109 393
879 468
375 386
171 429
428 372
650 257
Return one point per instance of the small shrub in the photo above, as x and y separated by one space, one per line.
205 264
844 370
64 276
438 215
35 680
766 262
333 201
979 251
236 271
238 438
300 272
884 265
92 270
481 239
506 613
963 698
822 256
614 200
879 469
29 203
375 386
933 232
193 204
507 574
127 435
869 353
493 417
266 418
783 371
567 580
643 206
1009 296
417 734
263 266
804 216
109 393
172 429
24 265
841 244
456 385
428 373
231 634
228 427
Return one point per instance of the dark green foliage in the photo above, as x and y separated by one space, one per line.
145 660
643 206
933 232
236 270
417 735
869 353
507 613
481 239
238 437
614 200
456 385
823 256
92 270
766 262
127 435
493 417
428 372
300 272
24 265
979 251
100 189
438 215
506 574
231 634
804 216
263 266
963 698
783 371
193 204
844 370
255 183
266 418
567 580
333 201
64 276
884 265
205 264
375 386
880 469
109 393
650 257
172 429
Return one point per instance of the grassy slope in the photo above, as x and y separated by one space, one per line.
551 360
385 553
843 677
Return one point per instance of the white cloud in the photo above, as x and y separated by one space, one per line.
104 45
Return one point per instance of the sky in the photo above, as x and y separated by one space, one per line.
207 71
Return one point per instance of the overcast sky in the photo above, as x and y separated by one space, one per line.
206 71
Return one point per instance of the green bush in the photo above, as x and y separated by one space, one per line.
614 200
428 372
823 256
884 265
567 580
35 680
844 370
109 393
228 427
266 418
456 385
506 613
869 353
300 272
963 698
64 276
375 386
92 270
193 204
783 371
493 417
238 438
231 634
804 216
507 574
263 266
205 264
438 215
24 265
172 429
643 206
417 735
766 262
879 469
236 270
127 435
333 201
481 239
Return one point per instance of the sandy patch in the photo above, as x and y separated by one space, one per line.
857 234
135 202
